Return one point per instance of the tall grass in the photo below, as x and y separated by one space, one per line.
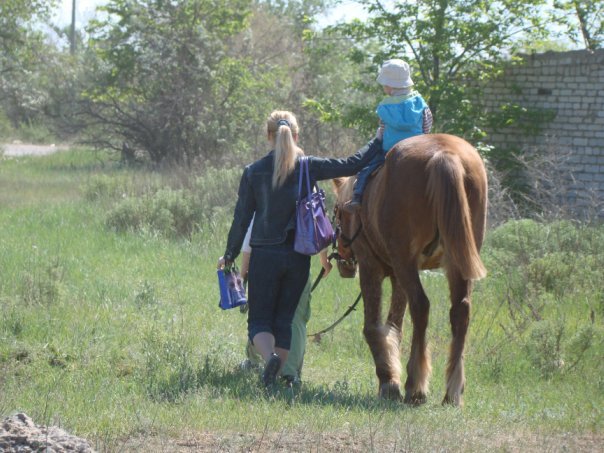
116 334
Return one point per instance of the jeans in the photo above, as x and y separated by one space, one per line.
295 359
363 175
276 280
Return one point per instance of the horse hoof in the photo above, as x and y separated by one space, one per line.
452 401
415 399
390 392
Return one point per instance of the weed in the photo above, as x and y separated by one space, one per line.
42 287
544 347
170 369
100 187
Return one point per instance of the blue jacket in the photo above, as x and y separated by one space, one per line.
403 117
276 208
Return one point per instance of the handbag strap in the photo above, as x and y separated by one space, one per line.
303 175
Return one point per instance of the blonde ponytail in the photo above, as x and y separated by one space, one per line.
281 127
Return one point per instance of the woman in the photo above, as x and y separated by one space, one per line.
291 371
278 274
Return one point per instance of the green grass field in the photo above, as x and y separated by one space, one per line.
116 336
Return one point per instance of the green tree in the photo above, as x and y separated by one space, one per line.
453 45
169 81
586 16
23 54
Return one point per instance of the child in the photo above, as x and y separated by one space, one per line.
403 114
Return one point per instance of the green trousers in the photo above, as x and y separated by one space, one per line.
295 358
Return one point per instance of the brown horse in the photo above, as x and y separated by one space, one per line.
425 208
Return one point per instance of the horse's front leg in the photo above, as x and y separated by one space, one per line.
383 339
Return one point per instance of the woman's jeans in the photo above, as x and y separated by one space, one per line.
276 280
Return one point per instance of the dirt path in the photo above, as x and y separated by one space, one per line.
23 149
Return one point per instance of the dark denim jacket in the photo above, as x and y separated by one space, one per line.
276 209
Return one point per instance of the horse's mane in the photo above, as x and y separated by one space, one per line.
343 187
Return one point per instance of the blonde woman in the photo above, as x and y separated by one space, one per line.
278 274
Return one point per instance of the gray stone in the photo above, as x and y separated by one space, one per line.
20 434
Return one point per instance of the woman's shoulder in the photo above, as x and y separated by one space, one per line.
262 162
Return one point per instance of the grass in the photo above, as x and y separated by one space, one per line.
118 338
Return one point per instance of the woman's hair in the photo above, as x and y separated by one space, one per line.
281 126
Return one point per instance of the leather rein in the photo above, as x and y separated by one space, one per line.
348 242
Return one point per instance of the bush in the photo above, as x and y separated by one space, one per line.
544 347
172 213
101 187
217 191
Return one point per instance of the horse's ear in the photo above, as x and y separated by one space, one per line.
337 183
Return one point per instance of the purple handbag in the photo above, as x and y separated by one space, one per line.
313 229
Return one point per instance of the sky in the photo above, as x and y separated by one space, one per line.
85 11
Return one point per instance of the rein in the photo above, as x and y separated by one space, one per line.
335 254
317 335
348 241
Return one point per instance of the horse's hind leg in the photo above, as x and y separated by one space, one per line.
459 316
418 366
383 339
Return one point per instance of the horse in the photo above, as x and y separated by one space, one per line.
424 209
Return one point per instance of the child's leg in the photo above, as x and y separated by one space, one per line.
295 359
363 176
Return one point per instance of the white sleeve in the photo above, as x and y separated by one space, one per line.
246 242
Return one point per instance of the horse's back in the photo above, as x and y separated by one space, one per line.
430 182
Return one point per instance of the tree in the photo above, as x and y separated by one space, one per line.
587 16
453 45
168 81
22 51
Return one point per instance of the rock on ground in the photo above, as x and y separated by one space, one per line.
20 434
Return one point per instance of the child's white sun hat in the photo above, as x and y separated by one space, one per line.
395 73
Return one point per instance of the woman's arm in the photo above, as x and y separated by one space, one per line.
334 168
242 217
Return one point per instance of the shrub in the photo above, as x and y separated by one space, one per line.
101 187
128 215
172 213
170 369
217 191
544 347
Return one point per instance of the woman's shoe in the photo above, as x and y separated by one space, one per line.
269 375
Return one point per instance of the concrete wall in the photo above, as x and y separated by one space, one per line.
571 86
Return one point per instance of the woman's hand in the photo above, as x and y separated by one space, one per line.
327 266
222 263
379 133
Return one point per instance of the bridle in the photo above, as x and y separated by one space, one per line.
338 231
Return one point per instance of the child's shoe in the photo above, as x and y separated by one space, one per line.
353 205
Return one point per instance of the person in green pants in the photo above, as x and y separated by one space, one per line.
291 373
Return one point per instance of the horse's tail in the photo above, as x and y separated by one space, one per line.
450 200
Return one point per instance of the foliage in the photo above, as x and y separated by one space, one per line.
453 46
24 55
582 19
543 264
165 69
160 207
171 212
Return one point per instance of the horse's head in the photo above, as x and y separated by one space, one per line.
347 264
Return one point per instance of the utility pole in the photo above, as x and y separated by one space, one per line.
73 20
